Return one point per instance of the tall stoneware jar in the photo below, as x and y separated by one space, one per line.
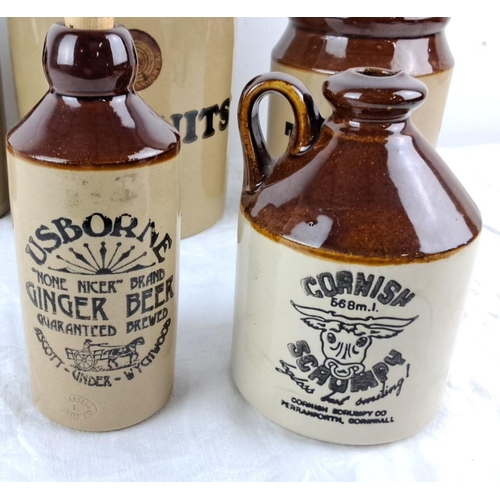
185 70
4 190
95 191
311 48
355 251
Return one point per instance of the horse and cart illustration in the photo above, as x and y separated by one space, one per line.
100 357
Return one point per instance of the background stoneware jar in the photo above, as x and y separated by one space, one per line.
185 69
311 48
355 250
4 190
95 190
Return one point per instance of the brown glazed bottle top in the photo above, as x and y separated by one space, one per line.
91 115
369 188
89 63
331 44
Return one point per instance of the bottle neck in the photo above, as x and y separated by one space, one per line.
372 129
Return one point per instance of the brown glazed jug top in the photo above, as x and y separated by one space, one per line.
331 44
369 188
392 99
91 116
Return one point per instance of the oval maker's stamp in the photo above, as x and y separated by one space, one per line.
80 408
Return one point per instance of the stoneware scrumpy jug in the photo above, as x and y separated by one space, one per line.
312 48
355 251
95 190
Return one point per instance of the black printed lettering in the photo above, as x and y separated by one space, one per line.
224 115
299 348
327 284
394 358
363 381
44 234
403 298
164 245
306 285
337 385
69 232
344 282
190 136
381 370
208 114
121 226
97 225
363 284
320 375
390 289
304 362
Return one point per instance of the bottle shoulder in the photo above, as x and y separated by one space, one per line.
116 130
386 198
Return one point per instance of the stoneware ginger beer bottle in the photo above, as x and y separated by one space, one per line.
355 251
312 48
94 179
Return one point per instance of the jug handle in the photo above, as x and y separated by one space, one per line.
258 162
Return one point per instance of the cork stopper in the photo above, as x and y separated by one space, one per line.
90 23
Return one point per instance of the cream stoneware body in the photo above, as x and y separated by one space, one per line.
99 303
289 307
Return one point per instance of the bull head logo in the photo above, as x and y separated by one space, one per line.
345 341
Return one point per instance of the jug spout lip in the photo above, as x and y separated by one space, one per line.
370 93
